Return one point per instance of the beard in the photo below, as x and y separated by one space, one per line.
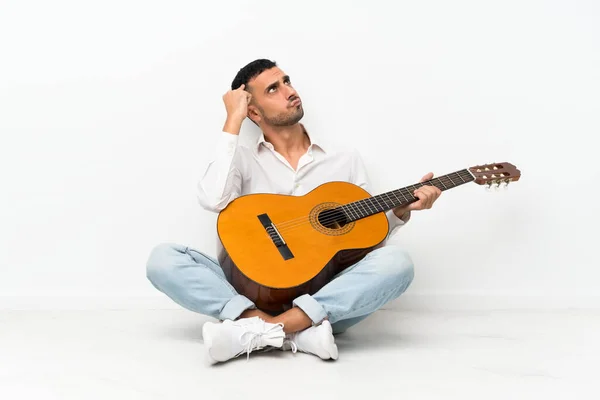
288 118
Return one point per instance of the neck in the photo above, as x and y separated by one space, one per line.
387 201
287 139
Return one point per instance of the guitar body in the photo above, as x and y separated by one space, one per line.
314 247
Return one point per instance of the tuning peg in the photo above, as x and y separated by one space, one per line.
506 182
488 187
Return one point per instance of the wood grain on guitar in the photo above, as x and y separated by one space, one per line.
279 247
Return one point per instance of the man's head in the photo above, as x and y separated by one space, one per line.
274 100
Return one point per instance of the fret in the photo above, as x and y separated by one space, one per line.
345 213
451 180
393 192
356 210
409 196
377 200
391 200
374 204
463 181
405 199
467 175
442 183
360 205
381 201
370 206
361 208
384 201
348 213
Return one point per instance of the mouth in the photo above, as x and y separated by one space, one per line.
296 102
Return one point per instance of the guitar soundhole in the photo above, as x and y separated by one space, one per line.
332 219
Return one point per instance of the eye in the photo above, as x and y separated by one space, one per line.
271 90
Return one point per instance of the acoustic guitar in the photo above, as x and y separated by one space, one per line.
279 247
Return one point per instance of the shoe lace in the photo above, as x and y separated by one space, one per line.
255 334
292 344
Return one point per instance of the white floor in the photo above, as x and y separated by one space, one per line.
158 354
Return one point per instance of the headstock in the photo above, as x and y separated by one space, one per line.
495 174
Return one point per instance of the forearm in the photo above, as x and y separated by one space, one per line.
233 125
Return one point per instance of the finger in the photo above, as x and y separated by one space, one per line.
431 195
425 197
427 177
435 193
242 86
428 196
419 204
431 199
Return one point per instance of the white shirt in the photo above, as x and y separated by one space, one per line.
237 169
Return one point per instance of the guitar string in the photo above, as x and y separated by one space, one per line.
287 225
421 184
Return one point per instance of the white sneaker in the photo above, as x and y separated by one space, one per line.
230 339
317 340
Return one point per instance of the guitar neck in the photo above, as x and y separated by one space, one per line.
400 197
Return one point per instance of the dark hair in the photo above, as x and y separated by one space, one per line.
251 71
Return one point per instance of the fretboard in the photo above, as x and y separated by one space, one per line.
386 201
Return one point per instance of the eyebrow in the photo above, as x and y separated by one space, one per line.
276 84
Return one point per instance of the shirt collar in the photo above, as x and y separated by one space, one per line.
314 140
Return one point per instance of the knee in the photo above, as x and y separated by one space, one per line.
397 265
159 266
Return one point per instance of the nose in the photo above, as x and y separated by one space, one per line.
291 93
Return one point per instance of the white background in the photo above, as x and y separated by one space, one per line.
109 110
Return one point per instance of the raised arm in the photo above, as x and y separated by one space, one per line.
221 181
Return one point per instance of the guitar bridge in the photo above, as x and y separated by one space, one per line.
275 236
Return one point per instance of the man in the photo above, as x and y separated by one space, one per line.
288 160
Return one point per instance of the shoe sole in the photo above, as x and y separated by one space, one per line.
207 335
334 353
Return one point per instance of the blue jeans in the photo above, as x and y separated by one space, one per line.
197 282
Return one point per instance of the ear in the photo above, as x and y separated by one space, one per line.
254 113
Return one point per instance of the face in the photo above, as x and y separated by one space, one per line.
274 100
